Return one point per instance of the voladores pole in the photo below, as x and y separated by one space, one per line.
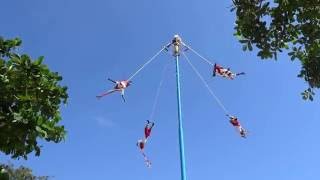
176 44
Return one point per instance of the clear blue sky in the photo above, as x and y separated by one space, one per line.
88 41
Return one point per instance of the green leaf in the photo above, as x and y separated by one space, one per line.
39 60
286 46
249 46
243 41
42 132
244 47
310 98
17 117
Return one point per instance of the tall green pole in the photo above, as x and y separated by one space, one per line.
181 139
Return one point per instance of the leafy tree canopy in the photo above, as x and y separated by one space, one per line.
30 97
8 172
290 25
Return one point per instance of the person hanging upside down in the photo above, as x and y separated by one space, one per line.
119 86
224 72
147 132
148 129
142 142
235 122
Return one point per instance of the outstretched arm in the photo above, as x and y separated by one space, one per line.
168 45
242 73
230 116
112 80
106 93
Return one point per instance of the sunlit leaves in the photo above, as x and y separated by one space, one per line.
30 98
8 172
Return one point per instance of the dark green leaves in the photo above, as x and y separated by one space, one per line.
282 25
6 46
30 97
308 94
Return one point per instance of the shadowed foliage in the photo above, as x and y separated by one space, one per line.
274 26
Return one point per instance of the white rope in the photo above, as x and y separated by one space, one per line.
156 99
203 58
145 64
206 84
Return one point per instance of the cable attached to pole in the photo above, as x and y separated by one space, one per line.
203 58
206 84
145 64
156 99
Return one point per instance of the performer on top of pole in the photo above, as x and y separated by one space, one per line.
176 42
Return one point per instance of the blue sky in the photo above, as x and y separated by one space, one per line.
88 41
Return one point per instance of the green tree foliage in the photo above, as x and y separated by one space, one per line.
30 97
8 172
290 25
